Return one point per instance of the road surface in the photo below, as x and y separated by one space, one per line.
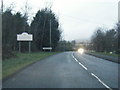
67 70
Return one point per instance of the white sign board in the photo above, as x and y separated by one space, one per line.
47 48
24 37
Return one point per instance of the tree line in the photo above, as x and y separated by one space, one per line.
106 40
64 45
13 24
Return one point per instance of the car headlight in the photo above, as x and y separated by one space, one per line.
81 50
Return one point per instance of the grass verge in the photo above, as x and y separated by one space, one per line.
106 56
10 66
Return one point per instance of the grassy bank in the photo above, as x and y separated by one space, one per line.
23 59
108 54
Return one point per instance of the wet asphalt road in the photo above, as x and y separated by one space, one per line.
67 70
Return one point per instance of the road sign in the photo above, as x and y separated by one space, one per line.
47 48
24 37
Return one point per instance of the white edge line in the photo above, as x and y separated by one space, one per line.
101 81
79 62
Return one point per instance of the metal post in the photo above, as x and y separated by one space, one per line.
118 11
19 46
50 35
29 46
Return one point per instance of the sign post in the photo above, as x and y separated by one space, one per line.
24 37
29 46
19 46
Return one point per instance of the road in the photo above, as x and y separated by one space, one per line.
67 70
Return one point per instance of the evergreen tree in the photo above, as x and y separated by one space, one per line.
40 27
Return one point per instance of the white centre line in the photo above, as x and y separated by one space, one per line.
101 81
92 73
79 62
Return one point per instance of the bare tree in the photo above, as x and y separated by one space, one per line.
48 4
26 12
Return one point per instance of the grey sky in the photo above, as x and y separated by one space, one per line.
78 18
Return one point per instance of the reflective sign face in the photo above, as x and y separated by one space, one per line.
24 37
50 48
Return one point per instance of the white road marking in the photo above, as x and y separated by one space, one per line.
101 81
79 62
83 66
92 73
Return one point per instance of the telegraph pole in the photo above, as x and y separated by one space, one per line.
118 11
50 35
2 6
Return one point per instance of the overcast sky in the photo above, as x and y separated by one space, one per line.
78 18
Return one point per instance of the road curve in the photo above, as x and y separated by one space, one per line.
67 70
